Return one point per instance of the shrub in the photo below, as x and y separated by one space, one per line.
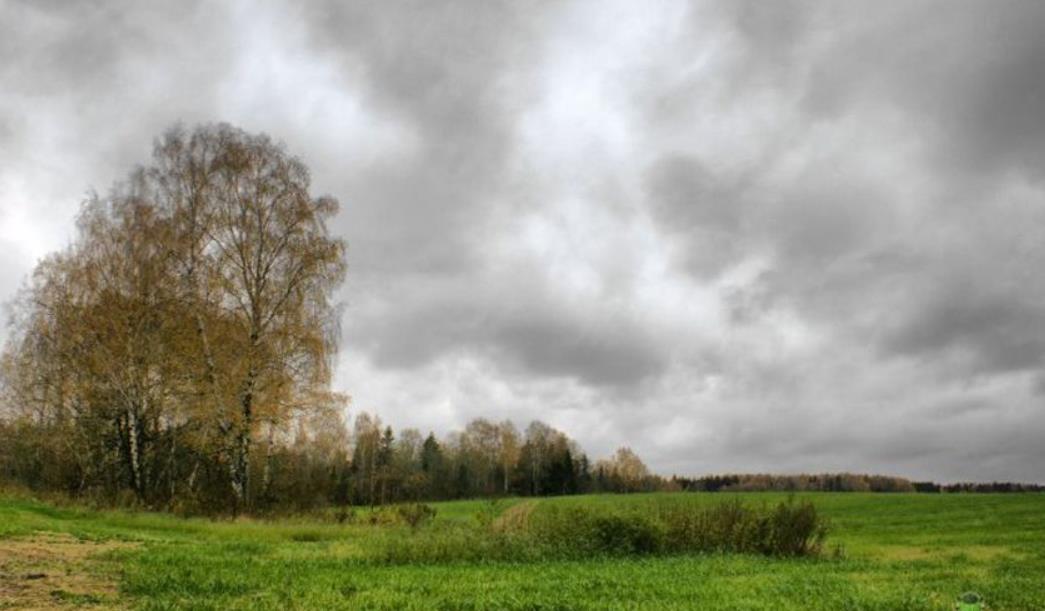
553 530
793 529
788 529
578 531
628 534
344 515
413 515
416 514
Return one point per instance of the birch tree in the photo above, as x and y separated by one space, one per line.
258 267
192 314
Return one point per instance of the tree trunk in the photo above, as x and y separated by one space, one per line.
171 469
266 474
240 464
129 429
192 476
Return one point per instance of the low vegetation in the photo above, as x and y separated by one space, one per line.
661 526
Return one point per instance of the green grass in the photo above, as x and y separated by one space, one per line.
900 552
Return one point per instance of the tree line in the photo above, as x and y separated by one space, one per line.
821 482
978 487
485 459
833 482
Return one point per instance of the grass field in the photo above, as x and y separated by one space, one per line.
883 552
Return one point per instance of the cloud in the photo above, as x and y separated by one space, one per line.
735 236
973 82
998 332
445 72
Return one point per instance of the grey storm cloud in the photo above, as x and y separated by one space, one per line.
442 71
689 197
1002 331
537 336
974 79
733 235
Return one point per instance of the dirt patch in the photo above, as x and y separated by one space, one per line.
55 571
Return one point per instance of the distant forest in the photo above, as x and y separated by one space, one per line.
835 482
178 355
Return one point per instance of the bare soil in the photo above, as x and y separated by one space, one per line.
58 571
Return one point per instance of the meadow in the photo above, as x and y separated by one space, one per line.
882 551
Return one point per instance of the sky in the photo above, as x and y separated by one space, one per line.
734 236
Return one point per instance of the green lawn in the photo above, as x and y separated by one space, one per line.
896 552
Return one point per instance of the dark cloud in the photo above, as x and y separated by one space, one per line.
441 70
974 80
446 72
605 353
997 332
699 207
686 196
537 335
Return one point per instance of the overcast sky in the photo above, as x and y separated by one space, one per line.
736 236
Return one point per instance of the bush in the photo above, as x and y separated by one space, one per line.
555 531
794 529
579 531
413 515
416 514
624 534
788 529
344 515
